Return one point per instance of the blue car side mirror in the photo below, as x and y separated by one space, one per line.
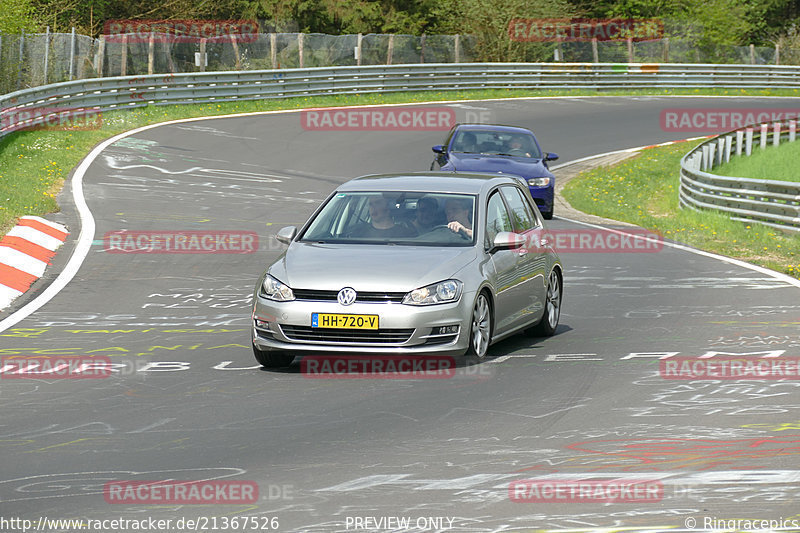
439 149
550 156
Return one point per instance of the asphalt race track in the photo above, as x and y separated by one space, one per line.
190 403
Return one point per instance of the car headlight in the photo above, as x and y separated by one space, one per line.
436 293
275 290
539 182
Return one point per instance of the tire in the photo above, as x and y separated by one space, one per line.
548 215
480 331
272 359
552 308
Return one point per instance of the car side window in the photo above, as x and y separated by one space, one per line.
523 217
497 218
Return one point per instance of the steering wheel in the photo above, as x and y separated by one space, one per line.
517 151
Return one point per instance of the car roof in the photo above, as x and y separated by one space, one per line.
463 183
494 127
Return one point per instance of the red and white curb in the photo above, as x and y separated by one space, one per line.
25 252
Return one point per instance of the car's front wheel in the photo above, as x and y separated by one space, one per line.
272 359
552 308
481 327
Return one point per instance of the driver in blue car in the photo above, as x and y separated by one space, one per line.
517 146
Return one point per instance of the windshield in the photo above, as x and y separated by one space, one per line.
400 218
492 142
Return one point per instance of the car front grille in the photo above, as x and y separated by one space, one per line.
347 336
362 297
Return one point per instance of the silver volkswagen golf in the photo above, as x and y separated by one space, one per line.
432 263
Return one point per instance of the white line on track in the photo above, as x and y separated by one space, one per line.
86 236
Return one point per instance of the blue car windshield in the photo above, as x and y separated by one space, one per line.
493 142
395 218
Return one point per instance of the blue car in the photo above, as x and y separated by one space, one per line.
507 149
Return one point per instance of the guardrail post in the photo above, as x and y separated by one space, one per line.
763 138
739 142
720 151
595 54
792 130
712 155
776 133
749 145
705 157
728 142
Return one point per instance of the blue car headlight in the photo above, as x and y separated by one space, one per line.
273 289
539 182
436 293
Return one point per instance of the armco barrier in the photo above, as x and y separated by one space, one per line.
770 202
104 94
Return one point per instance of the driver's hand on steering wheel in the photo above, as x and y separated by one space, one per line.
458 227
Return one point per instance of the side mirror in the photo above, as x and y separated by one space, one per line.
550 156
439 149
285 235
507 240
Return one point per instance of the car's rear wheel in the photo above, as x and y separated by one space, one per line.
272 359
480 332
552 308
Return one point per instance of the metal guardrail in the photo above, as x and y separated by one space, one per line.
47 103
770 202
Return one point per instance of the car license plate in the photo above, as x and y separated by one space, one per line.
335 320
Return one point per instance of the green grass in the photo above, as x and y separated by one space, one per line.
772 163
644 191
34 164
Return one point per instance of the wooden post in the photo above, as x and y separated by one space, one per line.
422 49
300 47
457 48
595 53
21 58
235 45
46 53
101 55
630 49
752 54
72 53
273 52
777 54
203 54
358 50
151 48
390 51
168 52
124 68
665 42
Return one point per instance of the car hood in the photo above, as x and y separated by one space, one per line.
521 166
367 267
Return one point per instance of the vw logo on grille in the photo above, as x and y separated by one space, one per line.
346 296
